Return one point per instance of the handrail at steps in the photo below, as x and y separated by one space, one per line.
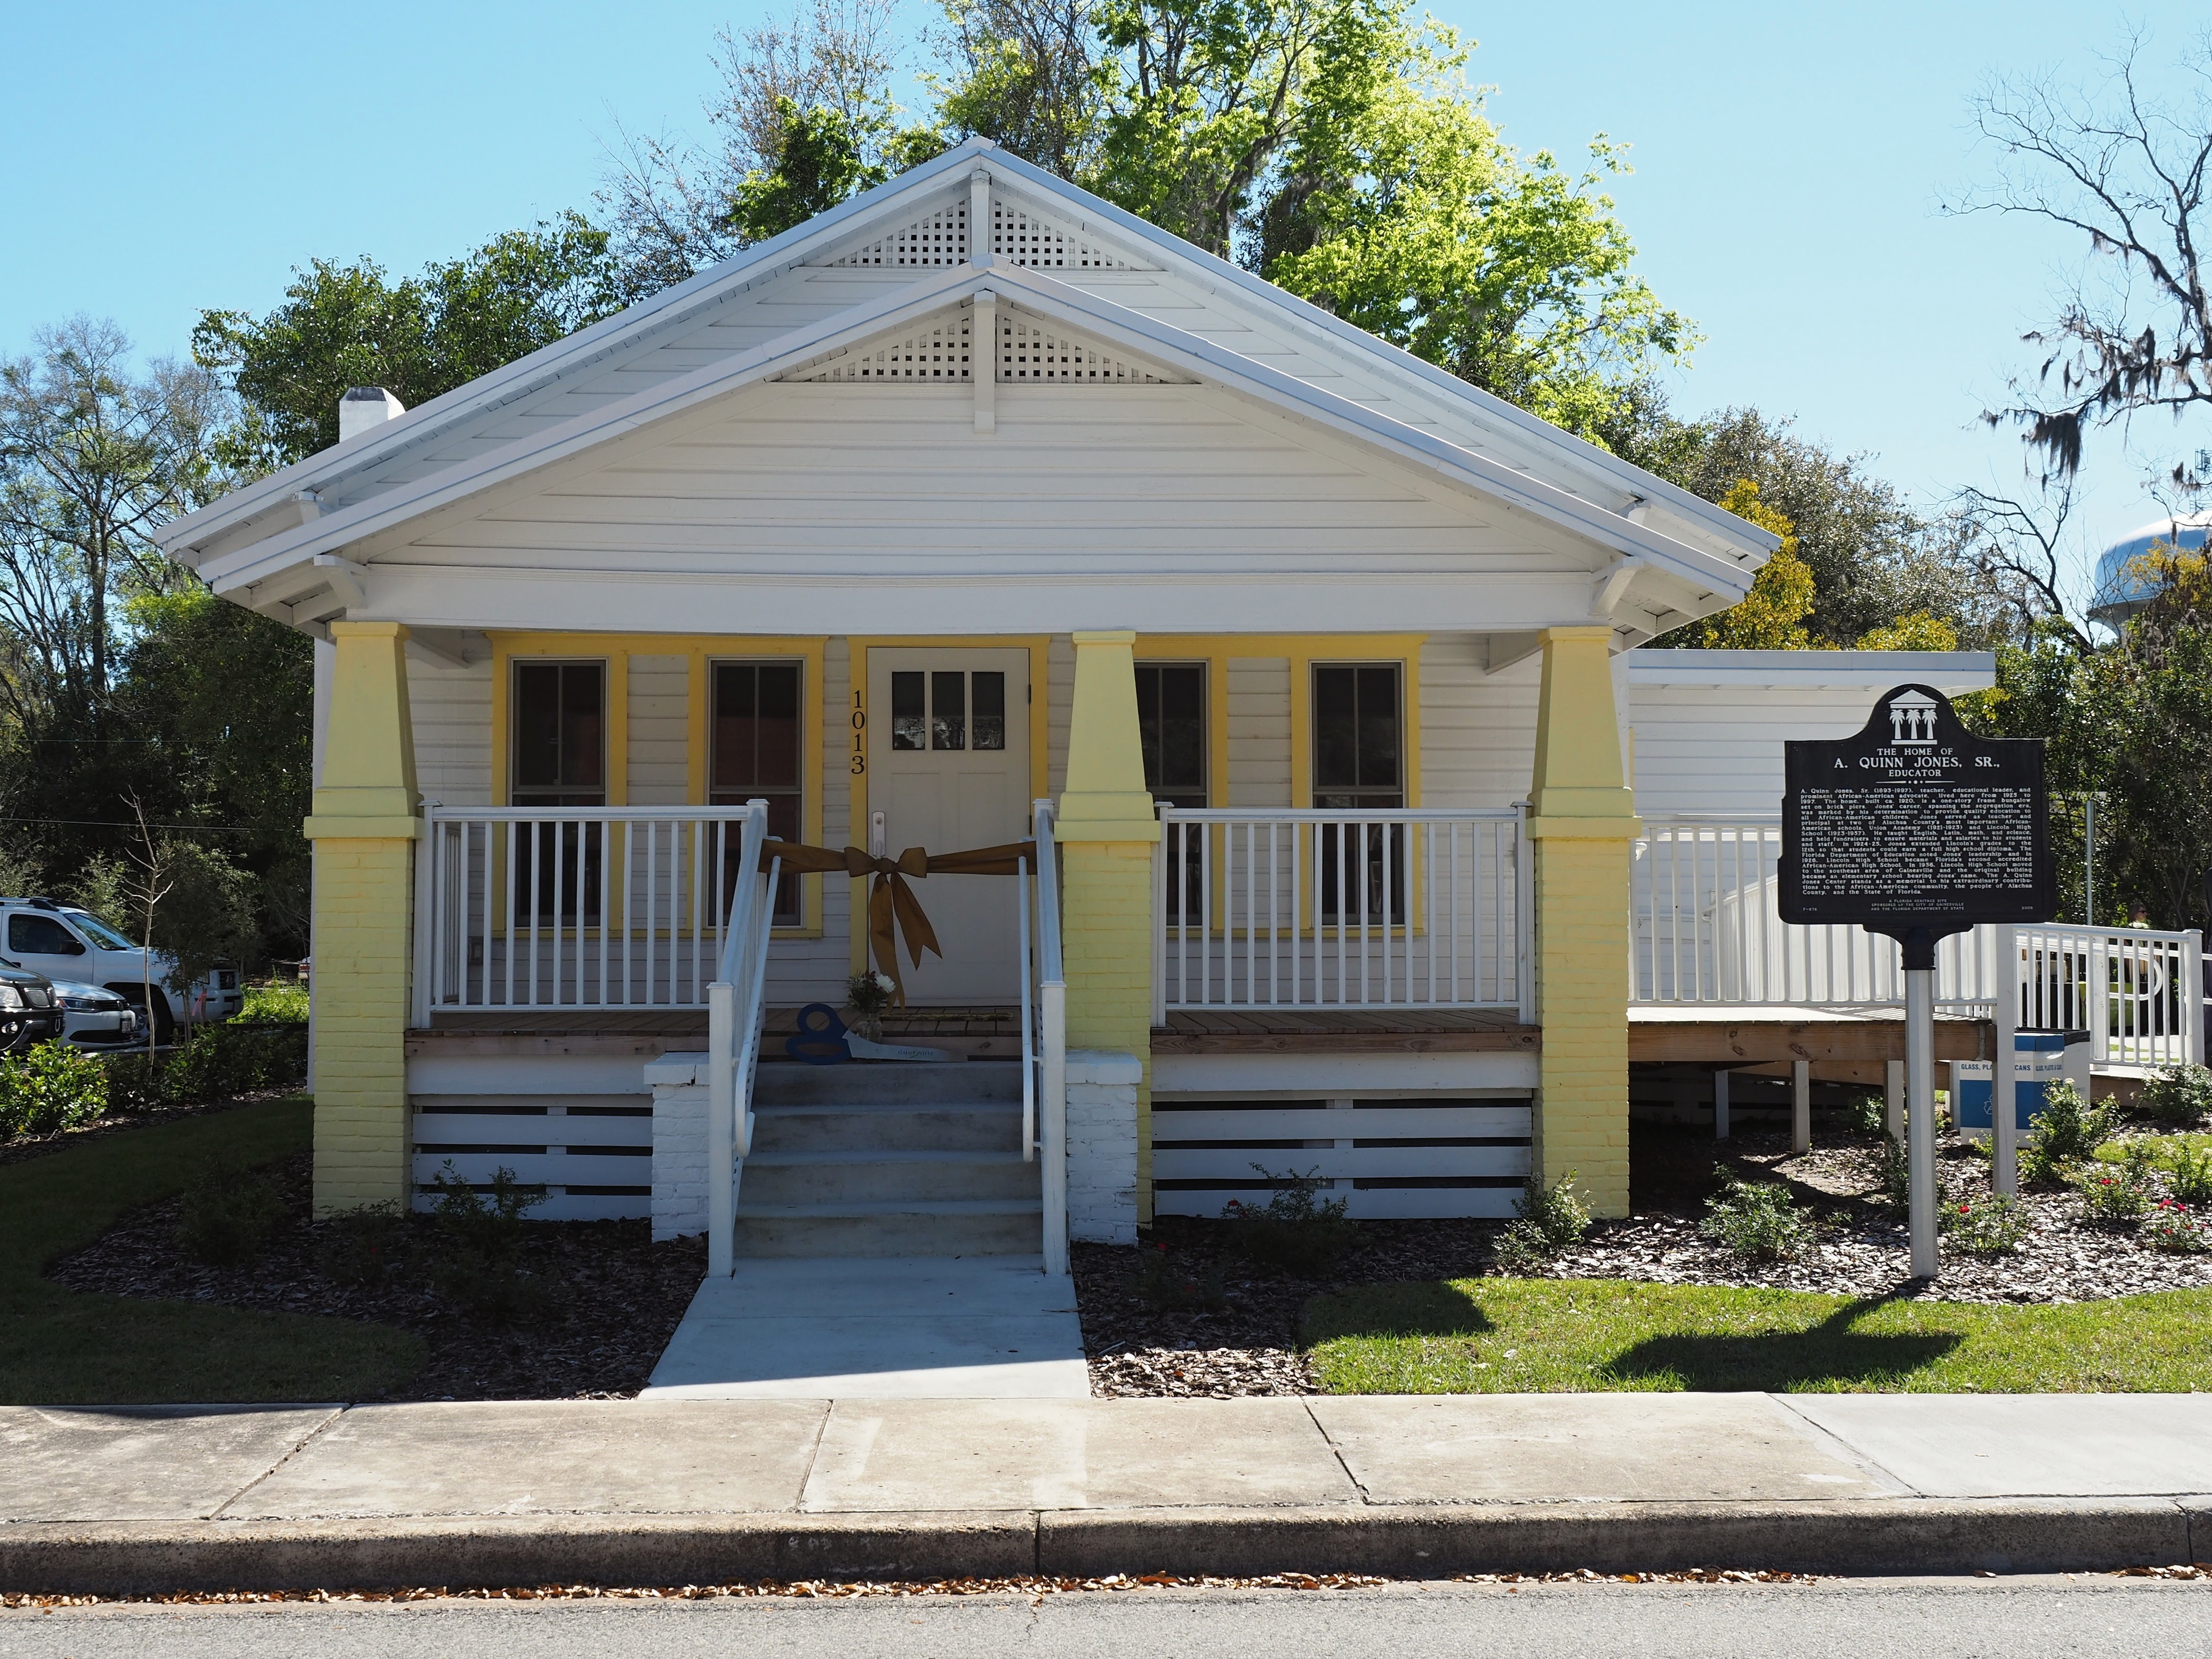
1052 1043
1028 1015
734 1018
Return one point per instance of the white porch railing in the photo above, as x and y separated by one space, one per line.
572 907
1704 928
2139 993
1386 908
733 1023
1044 1047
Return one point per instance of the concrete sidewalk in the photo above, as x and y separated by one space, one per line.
689 1491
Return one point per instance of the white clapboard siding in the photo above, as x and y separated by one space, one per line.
587 1142
1258 693
452 711
1386 1159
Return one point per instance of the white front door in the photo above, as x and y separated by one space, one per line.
949 769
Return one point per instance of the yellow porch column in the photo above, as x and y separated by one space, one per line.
1581 820
363 828
1106 835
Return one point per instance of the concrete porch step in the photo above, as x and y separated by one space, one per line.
916 1084
845 1128
785 1178
910 1228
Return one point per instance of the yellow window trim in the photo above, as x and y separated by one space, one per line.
702 649
1303 651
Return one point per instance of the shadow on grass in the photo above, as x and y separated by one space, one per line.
1830 1351
1430 1308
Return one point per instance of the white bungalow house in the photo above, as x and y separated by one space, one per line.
973 513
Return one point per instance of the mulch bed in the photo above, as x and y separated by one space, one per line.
1250 1345
615 1296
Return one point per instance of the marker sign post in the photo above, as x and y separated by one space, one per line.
1919 830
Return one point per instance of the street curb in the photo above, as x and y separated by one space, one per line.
1863 1536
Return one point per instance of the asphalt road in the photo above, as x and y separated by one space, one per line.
1864 1619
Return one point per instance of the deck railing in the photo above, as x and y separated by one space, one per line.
1382 908
619 907
1704 929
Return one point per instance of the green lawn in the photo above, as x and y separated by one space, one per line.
58 1347
1546 1336
2163 1148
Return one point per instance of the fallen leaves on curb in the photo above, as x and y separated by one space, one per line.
830 1588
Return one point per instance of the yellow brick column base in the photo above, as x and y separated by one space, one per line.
1106 902
1581 956
363 890
363 831
1581 822
1106 835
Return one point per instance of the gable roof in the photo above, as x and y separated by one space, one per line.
904 247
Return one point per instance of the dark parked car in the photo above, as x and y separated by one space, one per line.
30 1011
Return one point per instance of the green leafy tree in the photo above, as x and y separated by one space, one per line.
1401 209
1772 616
1874 558
344 325
94 458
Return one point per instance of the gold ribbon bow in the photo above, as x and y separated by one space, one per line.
894 912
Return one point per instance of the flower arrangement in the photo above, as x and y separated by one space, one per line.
869 993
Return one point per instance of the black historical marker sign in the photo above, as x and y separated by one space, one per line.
1915 828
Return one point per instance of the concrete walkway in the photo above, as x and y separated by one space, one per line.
879 1328
683 1490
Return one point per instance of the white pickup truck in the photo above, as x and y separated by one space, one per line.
66 944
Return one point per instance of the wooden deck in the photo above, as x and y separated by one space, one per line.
1848 1046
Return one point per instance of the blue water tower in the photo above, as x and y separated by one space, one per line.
2120 590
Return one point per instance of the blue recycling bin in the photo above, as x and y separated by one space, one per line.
2038 1061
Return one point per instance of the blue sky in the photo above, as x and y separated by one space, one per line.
1789 164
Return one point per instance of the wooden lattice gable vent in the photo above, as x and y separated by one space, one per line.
1032 351
938 352
932 243
1023 238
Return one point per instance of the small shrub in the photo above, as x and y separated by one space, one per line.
480 1269
1867 1117
49 1088
1164 1286
2189 1176
1757 1220
2067 1131
218 1061
1296 1230
364 1247
1995 1226
1893 1175
1549 1220
2180 1096
2177 1229
2115 1196
489 1225
229 1212
281 1002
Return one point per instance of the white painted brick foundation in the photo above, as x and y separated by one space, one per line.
1102 1145
679 1144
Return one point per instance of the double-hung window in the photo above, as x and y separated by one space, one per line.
758 751
1171 730
560 759
1360 766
